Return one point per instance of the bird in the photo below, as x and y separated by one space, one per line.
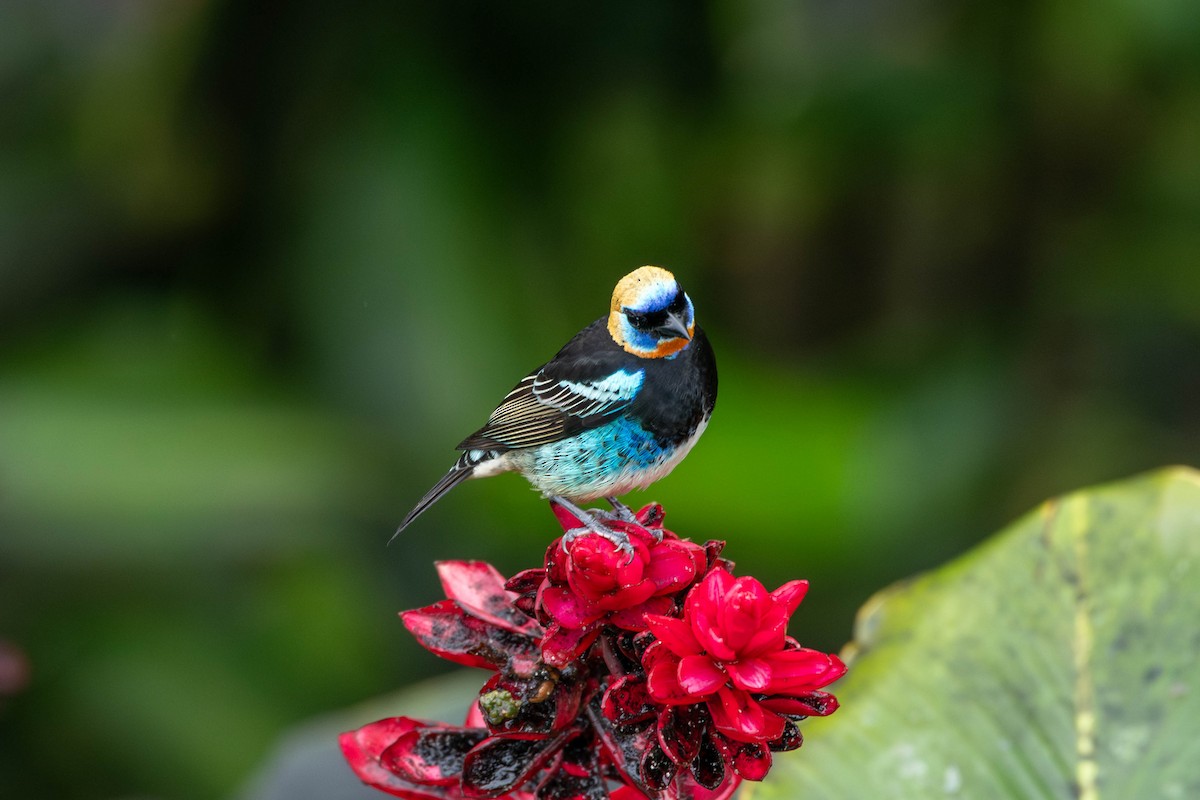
616 409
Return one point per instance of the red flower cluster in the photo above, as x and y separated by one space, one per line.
651 674
591 583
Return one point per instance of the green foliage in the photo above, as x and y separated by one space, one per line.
1055 661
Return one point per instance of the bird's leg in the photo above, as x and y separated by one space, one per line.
626 514
592 525
622 511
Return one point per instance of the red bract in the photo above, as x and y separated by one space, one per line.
731 651
628 675
589 583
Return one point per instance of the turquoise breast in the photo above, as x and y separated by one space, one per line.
609 460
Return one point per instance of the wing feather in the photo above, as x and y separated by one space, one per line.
545 408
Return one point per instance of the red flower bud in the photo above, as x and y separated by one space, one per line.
731 651
590 582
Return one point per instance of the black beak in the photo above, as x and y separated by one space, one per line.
673 328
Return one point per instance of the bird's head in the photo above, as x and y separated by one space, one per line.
651 316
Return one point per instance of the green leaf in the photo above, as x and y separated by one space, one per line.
1058 660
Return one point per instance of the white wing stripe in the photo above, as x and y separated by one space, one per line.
587 398
535 410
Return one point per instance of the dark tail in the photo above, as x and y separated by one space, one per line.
462 469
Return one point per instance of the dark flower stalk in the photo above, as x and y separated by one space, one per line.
655 674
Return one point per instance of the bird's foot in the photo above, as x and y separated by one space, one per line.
592 523
626 514
619 539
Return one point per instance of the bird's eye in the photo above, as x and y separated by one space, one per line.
638 320
678 304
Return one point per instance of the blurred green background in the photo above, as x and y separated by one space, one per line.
263 265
